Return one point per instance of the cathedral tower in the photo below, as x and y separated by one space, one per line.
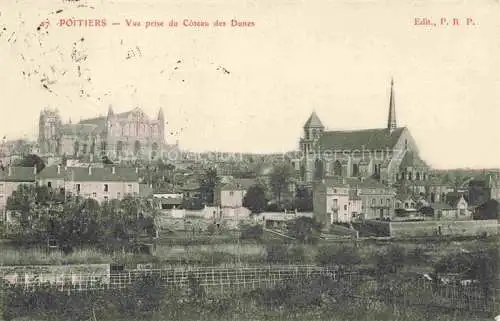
49 124
161 121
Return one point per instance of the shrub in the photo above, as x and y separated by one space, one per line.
390 260
277 253
343 256
253 232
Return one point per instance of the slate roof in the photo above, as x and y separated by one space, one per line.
370 139
239 184
411 159
314 121
79 129
441 206
18 174
103 174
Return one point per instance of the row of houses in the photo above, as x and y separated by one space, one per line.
98 182
345 200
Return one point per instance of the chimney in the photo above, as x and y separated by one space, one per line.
58 169
10 170
113 170
137 169
90 170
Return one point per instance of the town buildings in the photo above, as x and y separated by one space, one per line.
99 183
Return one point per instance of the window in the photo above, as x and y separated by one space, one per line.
77 188
231 193
118 195
388 201
106 198
373 201
49 184
397 205
106 188
2 188
406 143
345 207
381 202
94 195
406 205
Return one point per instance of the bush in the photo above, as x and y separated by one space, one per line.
277 253
390 260
253 232
343 256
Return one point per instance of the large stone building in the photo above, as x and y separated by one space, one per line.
127 135
387 154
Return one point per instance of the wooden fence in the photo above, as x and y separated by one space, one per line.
215 280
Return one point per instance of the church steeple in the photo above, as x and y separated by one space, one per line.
161 116
110 111
391 121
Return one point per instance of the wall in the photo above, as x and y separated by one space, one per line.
379 228
53 273
432 228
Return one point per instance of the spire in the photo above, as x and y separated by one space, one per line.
313 121
110 111
161 116
391 122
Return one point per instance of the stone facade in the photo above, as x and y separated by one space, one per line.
389 154
121 136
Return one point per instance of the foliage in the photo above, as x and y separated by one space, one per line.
255 199
72 221
304 200
32 160
208 182
281 177
106 160
252 232
391 260
344 256
481 265
488 210
304 229
277 253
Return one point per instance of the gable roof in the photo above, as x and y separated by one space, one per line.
97 174
99 122
313 121
412 159
17 174
371 139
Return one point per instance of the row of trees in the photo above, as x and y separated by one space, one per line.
45 214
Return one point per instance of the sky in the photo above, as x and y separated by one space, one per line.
250 89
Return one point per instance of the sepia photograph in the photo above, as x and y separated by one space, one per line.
255 160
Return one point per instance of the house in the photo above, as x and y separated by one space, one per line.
405 201
168 201
99 183
331 201
457 210
355 204
377 199
11 177
232 192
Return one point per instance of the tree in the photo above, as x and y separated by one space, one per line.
252 232
304 229
487 211
208 182
106 160
255 199
304 200
32 160
281 177
391 260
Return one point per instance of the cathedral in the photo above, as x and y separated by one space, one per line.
388 154
129 135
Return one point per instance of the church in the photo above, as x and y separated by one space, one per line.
388 154
128 135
